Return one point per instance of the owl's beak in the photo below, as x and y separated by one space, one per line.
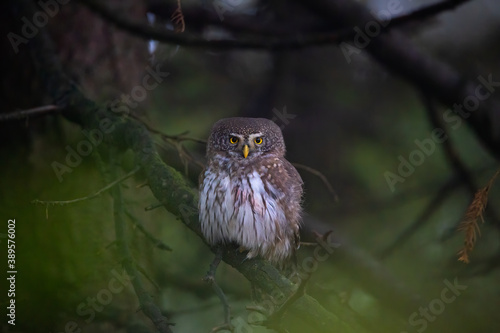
245 151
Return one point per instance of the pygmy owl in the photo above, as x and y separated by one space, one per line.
249 193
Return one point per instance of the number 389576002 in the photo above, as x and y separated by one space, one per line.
11 244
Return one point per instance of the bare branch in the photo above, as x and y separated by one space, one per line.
428 11
91 196
38 111
270 41
451 154
432 207
320 176
210 278
398 54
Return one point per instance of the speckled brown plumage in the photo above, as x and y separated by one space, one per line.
254 200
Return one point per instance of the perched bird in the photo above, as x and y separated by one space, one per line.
250 194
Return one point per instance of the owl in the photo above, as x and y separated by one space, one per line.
250 194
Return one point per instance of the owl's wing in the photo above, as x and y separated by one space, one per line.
295 184
294 176
201 177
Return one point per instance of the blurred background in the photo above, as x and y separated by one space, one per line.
346 117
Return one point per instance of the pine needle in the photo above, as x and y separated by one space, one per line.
470 223
178 18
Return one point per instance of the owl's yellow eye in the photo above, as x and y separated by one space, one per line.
258 140
233 140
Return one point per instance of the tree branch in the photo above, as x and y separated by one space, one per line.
187 39
260 25
273 38
451 154
434 78
428 11
38 111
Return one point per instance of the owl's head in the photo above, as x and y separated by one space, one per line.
245 138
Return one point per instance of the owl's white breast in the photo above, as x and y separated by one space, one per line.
239 209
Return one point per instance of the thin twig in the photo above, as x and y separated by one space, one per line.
210 278
320 176
38 111
176 142
107 187
308 244
156 242
451 154
184 156
142 185
179 137
433 205
274 318
146 275
153 206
